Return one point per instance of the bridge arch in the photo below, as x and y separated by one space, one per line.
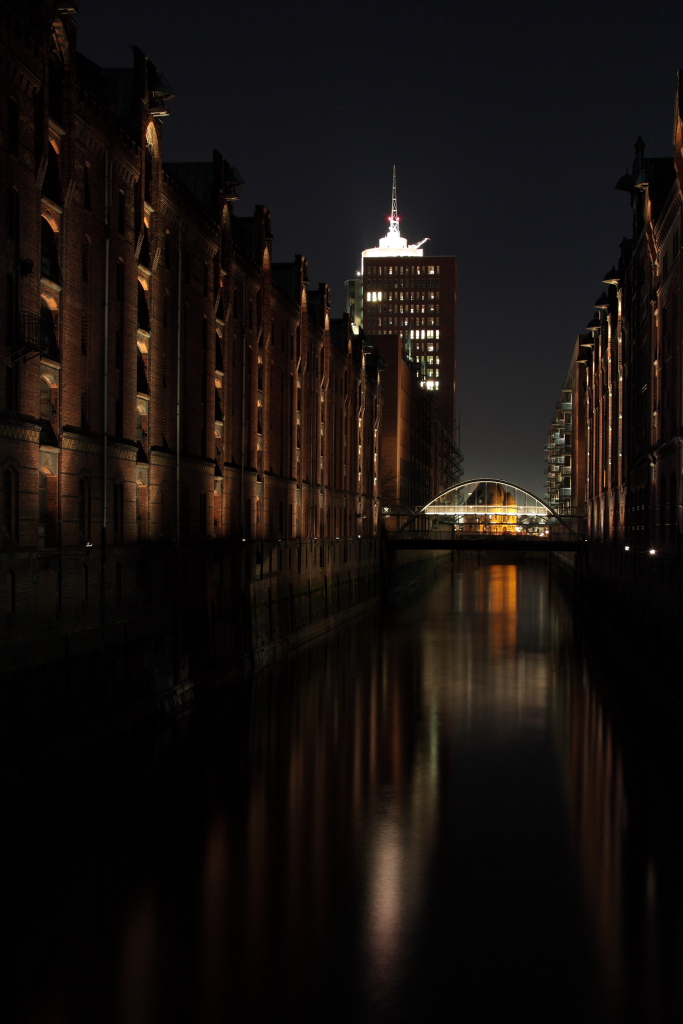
490 506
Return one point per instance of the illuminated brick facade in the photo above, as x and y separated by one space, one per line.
164 385
627 371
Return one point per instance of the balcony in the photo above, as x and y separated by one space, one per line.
25 337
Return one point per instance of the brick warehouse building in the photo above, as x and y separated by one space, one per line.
149 342
625 372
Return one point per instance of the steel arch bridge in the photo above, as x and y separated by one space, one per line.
485 513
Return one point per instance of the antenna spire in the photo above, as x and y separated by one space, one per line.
394 228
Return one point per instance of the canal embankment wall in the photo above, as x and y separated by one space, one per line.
152 629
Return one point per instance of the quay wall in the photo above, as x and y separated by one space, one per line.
159 627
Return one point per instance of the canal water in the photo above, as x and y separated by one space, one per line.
445 812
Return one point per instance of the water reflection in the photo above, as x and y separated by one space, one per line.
427 817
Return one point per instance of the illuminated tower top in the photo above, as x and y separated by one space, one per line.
393 244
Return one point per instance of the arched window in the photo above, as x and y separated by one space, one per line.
52 185
45 400
49 257
84 510
10 503
48 332
143 309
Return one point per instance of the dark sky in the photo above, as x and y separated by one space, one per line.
509 123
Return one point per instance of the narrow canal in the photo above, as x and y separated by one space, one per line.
430 816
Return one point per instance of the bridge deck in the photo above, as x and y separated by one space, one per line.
482 542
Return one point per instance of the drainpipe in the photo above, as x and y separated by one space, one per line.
244 401
177 385
105 404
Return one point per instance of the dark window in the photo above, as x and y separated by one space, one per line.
84 334
13 127
49 259
52 186
206 279
45 400
48 332
122 213
142 383
145 256
219 352
84 410
9 511
143 309
120 279
167 250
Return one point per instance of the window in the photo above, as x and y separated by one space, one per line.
84 334
143 309
48 332
49 259
52 186
122 212
84 410
167 251
45 400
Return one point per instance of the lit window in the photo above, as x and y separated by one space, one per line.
430 270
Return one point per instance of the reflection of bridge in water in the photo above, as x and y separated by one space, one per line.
481 515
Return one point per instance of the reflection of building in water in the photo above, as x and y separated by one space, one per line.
360 775
598 808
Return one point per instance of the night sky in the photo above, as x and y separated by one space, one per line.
509 124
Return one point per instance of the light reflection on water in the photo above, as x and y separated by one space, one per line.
423 818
